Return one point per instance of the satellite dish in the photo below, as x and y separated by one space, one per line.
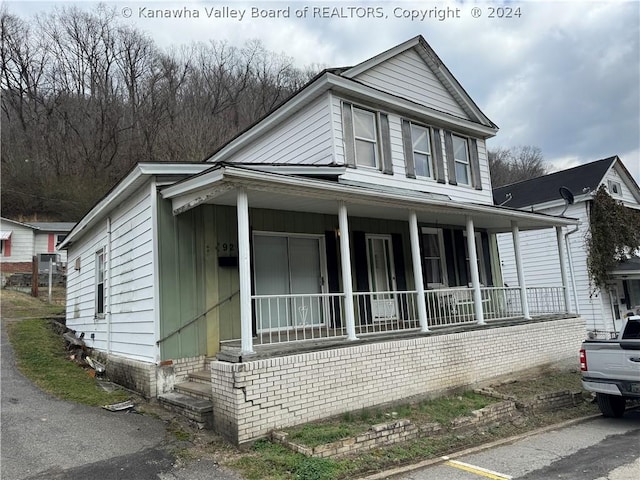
566 194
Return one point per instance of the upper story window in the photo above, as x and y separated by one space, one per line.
365 133
421 146
615 188
367 141
461 160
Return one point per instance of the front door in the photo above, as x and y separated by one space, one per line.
381 278
288 275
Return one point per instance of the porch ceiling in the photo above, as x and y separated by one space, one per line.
279 192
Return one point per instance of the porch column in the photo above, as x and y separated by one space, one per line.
244 268
475 274
345 262
417 270
515 233
563 269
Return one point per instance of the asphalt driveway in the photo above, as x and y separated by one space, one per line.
43 437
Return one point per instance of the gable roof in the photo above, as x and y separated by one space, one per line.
440 70
53 226
44 226
580 180
342 80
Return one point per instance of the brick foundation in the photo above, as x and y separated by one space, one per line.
252 398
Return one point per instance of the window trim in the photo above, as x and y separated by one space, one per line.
429 154
466 163
614 184
100 267
375 140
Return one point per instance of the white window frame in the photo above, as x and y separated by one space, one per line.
421 152
374 141
443 257
615 188
462 161
100 277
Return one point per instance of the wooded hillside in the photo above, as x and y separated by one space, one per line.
84 98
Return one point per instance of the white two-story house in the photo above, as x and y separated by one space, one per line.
339 253
602 307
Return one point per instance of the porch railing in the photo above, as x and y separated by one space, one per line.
299 317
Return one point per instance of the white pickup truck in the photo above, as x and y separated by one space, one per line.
611 368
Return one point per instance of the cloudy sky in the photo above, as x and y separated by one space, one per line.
561 75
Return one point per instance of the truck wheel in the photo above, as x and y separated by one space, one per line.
611 405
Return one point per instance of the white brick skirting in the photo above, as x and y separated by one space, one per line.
252 398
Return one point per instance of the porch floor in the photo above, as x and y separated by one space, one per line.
264 347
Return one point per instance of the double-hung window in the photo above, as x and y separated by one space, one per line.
461 160
365 135
100 290
421 146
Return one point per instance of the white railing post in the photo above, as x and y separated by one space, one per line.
473 267
417 270
563 269
347 286
515 233
244 269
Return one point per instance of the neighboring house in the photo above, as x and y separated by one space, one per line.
20 242
339 253
602 309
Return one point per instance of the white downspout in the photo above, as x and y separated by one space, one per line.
109 277
563 268
571 272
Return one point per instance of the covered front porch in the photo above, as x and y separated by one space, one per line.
322 261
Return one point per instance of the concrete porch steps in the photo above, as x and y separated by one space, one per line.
194 388
192 398
198 410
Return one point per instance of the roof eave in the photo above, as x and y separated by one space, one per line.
136 176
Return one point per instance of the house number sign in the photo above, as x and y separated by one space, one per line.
226 249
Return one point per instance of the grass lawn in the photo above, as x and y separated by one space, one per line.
41 354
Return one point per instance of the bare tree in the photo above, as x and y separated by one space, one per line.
510 165
84 98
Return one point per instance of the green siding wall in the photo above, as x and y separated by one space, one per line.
192 280
181 272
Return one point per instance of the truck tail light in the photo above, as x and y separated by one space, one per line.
583 360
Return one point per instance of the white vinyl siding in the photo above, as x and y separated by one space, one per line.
541 266
408 76
303 139
21 242
131 276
